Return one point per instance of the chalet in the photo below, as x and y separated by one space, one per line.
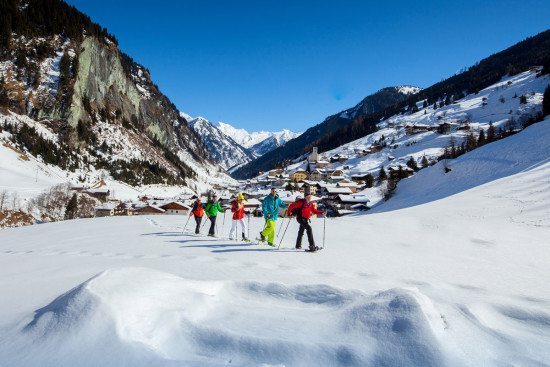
375 148
101 194
123 209
446 127
78 187
353 186
321 164
418 128
333 191
359 178
253 206
299 175
105 210
464 127
335 178
348 201
311 185
400 172
317 175
362 152
175 208
149 210
339 158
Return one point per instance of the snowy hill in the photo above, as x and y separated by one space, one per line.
223 148
508 104
260 142
459 281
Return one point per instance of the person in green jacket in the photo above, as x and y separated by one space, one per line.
270 209
212 209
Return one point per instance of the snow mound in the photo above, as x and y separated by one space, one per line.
142 317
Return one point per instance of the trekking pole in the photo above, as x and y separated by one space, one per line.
282 225
248 226
186 223
282 238
206 220
324 229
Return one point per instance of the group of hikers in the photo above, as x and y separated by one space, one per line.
302 209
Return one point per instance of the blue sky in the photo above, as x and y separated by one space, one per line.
273 64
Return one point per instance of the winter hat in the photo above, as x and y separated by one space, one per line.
240 196
307 191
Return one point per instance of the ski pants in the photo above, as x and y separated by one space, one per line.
237 224
212 230
198 221
269 230
304 226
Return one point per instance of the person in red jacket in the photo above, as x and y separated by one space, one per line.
237 208
304 209
197 212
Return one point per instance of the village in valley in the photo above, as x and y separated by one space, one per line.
364 173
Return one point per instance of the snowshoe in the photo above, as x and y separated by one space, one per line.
313 249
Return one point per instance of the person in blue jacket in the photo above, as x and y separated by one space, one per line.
270 209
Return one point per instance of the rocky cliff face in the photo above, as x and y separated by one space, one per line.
103 106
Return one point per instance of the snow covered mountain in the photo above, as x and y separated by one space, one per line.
223 148
260 142
232 147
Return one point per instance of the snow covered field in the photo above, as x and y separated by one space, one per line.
459 281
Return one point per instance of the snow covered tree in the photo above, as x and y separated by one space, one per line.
424 162
411 163
382 175
369 180
491 133
481 140
546 102
471 142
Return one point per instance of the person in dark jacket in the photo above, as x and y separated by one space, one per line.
197 212
304 209
212 209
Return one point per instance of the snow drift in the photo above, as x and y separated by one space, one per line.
142 317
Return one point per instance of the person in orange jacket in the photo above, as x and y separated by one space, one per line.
197 212
303 209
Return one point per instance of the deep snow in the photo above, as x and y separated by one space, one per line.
460 281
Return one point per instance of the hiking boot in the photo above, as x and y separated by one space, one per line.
313 248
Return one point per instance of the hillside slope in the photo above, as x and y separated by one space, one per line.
523 152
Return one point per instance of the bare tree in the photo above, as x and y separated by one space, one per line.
15 201
3 198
